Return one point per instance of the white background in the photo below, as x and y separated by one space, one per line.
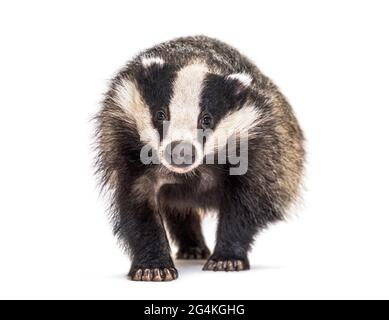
330 58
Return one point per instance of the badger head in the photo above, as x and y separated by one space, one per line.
185 115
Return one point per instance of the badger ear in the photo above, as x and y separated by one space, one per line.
239 84
150 61
150 66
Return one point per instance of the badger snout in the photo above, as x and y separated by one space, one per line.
180 154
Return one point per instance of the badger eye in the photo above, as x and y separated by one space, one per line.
206 121
161 116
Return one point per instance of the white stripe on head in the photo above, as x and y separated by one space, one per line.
184 108
185 104
236 123
148 61
129 99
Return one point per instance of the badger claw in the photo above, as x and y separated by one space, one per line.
226 265
156 274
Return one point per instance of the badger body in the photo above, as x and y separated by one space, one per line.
154 110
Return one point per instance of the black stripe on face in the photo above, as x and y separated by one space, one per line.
219 96
155 84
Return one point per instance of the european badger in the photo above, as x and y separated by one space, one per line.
169 110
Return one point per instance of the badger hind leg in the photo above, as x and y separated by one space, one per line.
185 230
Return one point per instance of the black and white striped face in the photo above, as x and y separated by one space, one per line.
186 114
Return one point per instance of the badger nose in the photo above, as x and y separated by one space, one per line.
180 154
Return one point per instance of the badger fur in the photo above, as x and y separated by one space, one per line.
159 102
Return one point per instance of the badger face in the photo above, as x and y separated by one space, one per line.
186 114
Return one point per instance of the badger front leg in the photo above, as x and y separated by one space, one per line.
141 229
238 224
233 240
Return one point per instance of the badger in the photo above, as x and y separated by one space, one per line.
188 127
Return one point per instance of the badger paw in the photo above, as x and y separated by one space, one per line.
193 253
226 265
156 274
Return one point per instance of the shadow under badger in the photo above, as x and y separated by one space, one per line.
167 113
